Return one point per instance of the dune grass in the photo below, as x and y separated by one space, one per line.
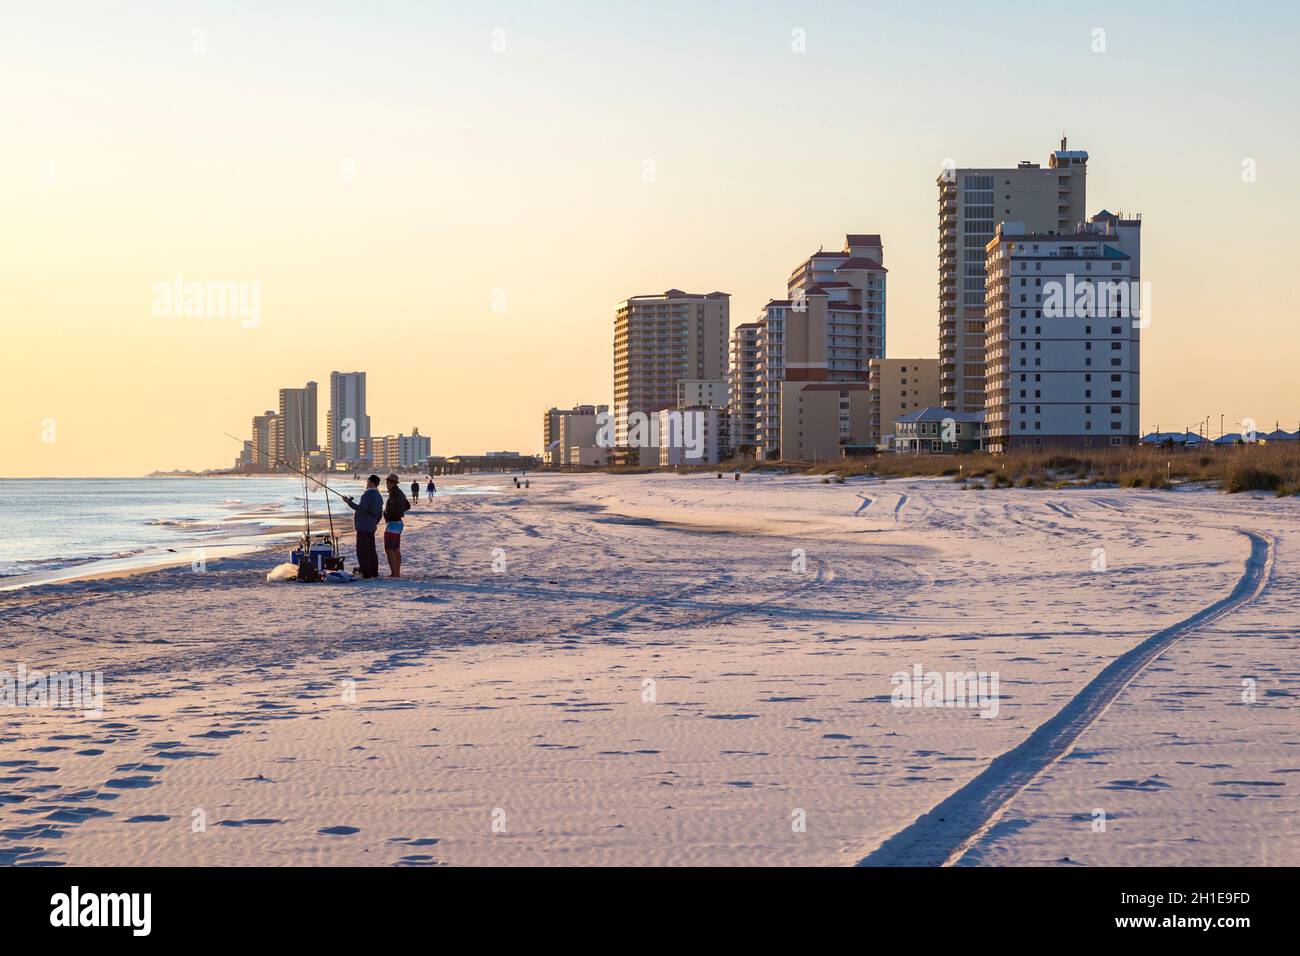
1234 468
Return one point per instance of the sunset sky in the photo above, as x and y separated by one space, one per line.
381 171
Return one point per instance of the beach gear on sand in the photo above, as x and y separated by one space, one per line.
283 572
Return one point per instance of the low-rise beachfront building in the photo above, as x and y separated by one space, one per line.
1063 320
821 421
692 436
702 393
579 419
938 431
898 386
564 428
588 456
397 453
492 461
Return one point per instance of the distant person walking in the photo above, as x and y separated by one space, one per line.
431 490
396 507
366 520
415 491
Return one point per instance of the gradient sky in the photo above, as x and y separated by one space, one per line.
221 155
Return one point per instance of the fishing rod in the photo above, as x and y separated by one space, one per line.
281 461
306 492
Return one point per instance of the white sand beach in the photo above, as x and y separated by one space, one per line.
666 669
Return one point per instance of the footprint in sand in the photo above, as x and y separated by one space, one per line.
339 831
255 822
1148 785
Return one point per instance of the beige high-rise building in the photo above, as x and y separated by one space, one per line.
298 435
265 436
899 386
659 341
971 204
346 421
827 329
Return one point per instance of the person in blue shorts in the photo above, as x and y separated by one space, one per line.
394 509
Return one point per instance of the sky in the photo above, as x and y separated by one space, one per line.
454 197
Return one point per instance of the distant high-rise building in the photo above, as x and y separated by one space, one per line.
264 441
899 386
1064 317
298 435
971 204
346 422
743 388
275 434
827 329
660 340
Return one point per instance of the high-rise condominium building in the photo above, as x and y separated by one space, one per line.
298 436
827 329
971 204
899 386
743 386
265 436
660 340
346 422
1064 315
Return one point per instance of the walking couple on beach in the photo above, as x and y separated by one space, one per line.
368 511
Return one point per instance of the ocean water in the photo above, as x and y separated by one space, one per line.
49 524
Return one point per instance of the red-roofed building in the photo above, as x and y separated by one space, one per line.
828 329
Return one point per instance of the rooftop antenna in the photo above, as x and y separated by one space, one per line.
1062 140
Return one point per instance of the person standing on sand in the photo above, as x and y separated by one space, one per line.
396 507
415 491
431 490
366 520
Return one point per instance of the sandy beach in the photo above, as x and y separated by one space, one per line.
668 669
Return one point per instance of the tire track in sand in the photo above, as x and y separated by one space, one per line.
944 834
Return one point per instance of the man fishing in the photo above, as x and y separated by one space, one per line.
396 507
366 520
